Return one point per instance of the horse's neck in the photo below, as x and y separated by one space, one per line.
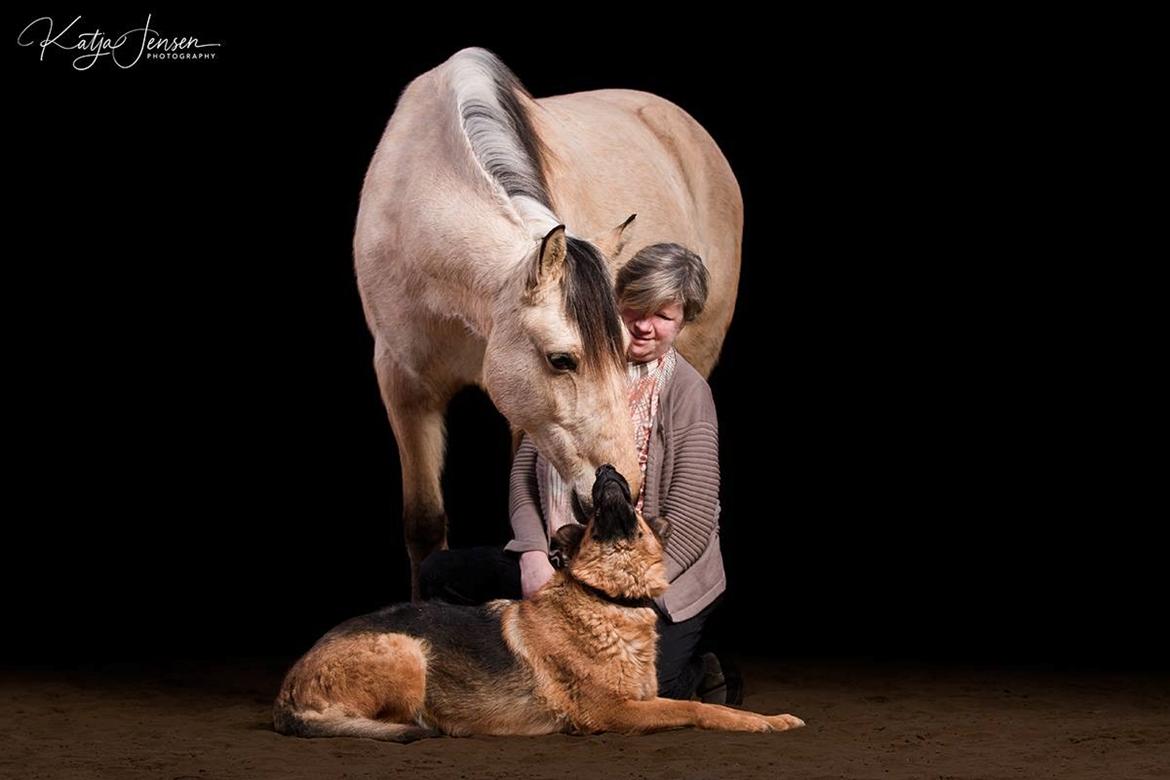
451 296
482 237
471 285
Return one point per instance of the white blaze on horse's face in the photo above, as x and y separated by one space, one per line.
554 364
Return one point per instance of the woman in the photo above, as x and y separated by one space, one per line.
660 289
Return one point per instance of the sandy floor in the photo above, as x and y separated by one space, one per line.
864 721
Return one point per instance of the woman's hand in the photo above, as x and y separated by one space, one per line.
535 570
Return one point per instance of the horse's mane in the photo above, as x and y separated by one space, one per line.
503 140
591 305
499 129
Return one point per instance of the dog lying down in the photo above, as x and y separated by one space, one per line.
577 657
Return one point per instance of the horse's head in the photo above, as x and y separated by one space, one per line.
555 363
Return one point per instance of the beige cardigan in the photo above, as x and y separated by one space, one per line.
682 486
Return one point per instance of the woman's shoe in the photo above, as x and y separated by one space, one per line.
712 685
734 680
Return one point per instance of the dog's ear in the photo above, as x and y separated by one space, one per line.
564 544
659 526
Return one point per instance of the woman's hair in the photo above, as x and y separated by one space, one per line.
661 274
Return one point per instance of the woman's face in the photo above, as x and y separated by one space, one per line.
652 333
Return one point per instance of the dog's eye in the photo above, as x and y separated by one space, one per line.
562 361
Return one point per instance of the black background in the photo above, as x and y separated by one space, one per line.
912 439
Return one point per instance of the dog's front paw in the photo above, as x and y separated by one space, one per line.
783 722
725 719
759 724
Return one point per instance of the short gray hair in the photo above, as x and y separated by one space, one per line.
660 274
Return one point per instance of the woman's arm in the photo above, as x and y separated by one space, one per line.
529 537
692 505
528 532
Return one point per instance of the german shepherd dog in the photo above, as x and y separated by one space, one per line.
577 657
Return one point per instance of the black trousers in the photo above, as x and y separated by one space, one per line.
478 574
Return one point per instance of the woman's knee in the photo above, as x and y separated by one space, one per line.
680 682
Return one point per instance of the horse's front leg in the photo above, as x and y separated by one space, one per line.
416 415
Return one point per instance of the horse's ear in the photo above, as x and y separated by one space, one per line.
550 260
613 241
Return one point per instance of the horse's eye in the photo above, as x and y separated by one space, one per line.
562 361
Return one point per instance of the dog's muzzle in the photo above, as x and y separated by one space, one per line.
614 516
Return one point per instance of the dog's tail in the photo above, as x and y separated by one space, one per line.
333 723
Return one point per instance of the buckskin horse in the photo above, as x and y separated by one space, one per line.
473 266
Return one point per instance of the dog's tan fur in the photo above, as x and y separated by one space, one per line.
578 662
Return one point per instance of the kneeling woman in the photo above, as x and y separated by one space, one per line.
660 289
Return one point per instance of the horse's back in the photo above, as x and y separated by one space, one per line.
644 135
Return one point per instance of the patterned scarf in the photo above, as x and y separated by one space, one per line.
645 383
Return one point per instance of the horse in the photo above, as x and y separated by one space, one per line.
473 268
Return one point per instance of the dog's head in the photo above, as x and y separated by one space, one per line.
617 550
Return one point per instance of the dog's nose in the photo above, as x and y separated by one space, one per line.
604 468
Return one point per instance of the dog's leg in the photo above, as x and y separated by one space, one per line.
639 717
